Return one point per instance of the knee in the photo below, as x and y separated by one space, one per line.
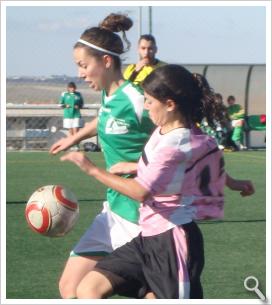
94 286
84 291
67 289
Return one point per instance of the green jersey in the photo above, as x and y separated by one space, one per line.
123 129
71 99
236 112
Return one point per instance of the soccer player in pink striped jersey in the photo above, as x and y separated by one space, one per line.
180 178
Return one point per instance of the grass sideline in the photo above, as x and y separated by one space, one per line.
234 247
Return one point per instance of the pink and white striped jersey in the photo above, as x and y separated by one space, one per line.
184 172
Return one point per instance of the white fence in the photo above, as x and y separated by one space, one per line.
37 127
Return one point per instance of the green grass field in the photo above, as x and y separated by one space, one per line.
234 248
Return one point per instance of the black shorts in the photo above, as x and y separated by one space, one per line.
149 264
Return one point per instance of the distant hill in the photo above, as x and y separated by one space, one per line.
62 79
45 90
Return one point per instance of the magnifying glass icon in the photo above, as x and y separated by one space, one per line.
255 287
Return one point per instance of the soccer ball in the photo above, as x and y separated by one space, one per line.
52 210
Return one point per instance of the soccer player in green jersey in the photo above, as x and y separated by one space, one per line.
71 101
123 128
236 114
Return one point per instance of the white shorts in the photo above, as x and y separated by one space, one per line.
72 123
237 123
107 232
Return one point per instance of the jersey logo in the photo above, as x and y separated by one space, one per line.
103 109
116 126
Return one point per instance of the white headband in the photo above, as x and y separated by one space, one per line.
98 48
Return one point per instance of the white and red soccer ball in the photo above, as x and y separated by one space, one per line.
52 210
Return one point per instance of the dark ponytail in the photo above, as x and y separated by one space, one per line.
208 108
118 23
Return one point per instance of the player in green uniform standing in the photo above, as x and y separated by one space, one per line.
147 49
123 128
72 101
236 114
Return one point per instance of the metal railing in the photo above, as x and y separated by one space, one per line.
37 127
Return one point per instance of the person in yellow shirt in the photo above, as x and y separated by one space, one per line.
147 49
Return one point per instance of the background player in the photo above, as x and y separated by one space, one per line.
147 49
237 115
72 101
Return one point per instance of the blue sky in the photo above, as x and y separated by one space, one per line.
39 40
